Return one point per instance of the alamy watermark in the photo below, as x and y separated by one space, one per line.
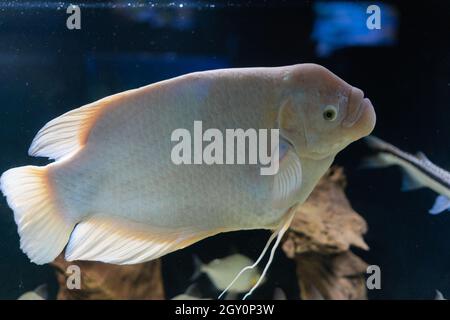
374 20
373 281
73 280
241 146
73 22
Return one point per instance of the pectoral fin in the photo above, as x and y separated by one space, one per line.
441 204
288 180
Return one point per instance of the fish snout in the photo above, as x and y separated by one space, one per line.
354 107
360 116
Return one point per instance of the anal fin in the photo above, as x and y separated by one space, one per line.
124 242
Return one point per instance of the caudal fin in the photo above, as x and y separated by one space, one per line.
42 228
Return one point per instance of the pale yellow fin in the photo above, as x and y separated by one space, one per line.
42 228
124 242
69 132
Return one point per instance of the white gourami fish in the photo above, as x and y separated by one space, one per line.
279 294
419 172
191 293
114 195
40 293
222 271
439 296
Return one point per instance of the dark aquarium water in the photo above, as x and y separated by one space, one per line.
56 56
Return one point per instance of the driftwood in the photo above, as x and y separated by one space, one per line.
319 240
107 281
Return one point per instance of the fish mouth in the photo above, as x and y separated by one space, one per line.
357 105
368 117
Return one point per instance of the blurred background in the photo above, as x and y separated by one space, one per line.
404 67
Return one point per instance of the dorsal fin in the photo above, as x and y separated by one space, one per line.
420 155
67 133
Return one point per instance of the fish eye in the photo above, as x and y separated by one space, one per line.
330 113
